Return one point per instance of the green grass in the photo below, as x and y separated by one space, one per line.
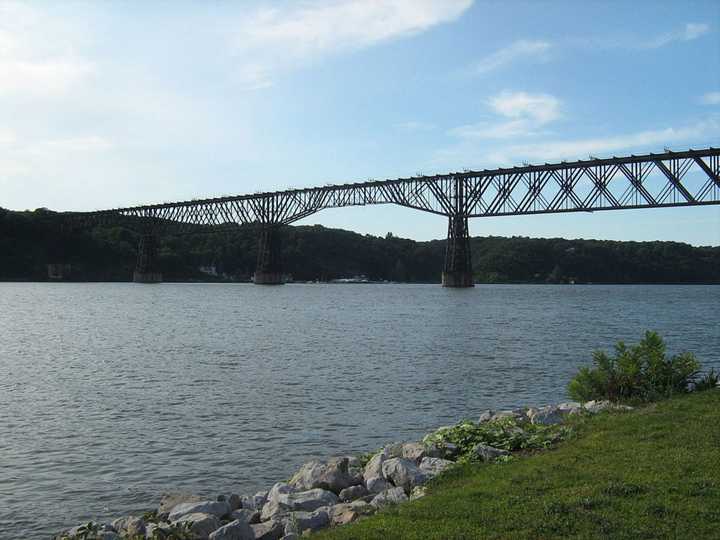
650 473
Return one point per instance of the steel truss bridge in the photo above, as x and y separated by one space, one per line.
669 179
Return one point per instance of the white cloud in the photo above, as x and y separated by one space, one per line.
7 137
711 98
524 114
40 77
548 151
695 30
689 32
542 108
581 148
284 38
35 57
516 51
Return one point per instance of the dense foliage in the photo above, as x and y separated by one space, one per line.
642 372
29 241
505 434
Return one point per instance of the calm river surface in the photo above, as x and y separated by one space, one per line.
111 394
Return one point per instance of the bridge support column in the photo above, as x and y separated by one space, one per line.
146 269
458 259
269 265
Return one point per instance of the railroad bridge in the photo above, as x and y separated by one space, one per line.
668 179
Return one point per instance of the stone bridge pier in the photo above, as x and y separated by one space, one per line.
458 271
268 270
146 268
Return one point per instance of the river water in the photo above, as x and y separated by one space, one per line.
111 394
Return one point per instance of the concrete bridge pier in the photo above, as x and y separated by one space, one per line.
146 268
458 258
269 265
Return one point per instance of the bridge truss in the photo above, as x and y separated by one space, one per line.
670 179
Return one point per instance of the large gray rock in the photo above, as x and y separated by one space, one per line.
518 415
299 522
597 406
546 416
432 466
418 492
373 468
150 529
604 405
235 530
246 514
273 529
570 407
254 502
352 493
280 488
101 534
170 500
341 514
201 525
215 508
403 473
307 501
333 476
485 416
130 526
388 497
377 485
373 476
355 470
449 451
234 501
488 453
393 450
416 451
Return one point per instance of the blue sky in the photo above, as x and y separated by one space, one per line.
106 104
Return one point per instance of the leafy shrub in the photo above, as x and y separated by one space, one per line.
641 372
505 434
708 381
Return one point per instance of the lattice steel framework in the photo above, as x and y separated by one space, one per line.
690 178
648 181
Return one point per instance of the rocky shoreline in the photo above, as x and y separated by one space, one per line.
344 489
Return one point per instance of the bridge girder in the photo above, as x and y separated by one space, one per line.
670 179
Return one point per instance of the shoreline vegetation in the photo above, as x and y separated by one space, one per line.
36 248
638 459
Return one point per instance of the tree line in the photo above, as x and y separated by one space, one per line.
29 241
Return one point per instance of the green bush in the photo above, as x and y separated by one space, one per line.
505 434
707 382
638 373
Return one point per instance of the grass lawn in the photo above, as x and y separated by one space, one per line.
649 473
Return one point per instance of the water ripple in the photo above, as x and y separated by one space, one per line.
113 393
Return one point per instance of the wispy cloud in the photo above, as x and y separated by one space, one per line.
710 98
519 50
688 32
274 39
581 148
521 114
554 150
35 67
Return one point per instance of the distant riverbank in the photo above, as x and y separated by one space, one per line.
35 248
